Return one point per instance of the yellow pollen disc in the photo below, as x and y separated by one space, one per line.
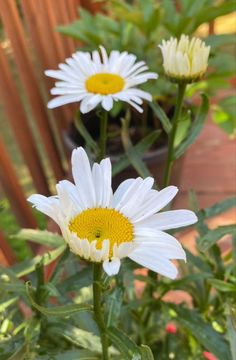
102 224
104 84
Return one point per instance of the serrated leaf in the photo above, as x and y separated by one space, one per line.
124 344
63 310
212 236
28 266
42 237
195 129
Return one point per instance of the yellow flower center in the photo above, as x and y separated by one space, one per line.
102 224
104 84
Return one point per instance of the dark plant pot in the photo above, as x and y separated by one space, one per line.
154 159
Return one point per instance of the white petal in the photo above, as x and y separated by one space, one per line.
69 195
120 191
135 199
63 100
170 220
147 258
87 104
47 205
155 202
107 103
168 246
82 175
102 182
111 267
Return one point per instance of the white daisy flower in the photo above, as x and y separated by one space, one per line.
100 226
93 79
185 59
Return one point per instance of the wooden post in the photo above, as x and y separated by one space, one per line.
23 136
14 192
14 30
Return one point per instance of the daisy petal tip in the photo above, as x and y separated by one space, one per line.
111 267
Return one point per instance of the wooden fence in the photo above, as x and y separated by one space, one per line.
29 26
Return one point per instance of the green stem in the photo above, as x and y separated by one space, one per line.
98 313
103 135
170 155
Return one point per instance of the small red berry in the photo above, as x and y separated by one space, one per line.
209 356
171 328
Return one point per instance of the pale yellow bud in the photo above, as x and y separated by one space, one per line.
185 60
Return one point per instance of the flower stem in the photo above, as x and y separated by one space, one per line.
177 113
98 313
103 135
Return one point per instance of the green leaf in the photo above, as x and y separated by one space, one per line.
139 149
28 266
220 39
219 208
42 237
76 281
182 128
222 285
232 337
85 134
212 236
203 332
146 353
4 305
76 336
113 307
195 129
70 355
124 344
136 161
63 310
161 115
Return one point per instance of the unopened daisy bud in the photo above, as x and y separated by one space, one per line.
185 60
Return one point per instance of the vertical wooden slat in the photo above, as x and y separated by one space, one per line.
13 191
42 32
6 250
13 27
42 55
72 9
64 18
15 112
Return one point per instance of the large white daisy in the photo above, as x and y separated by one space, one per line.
104 227
93 79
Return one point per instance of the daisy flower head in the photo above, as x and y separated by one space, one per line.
100 226
92 79
185 60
